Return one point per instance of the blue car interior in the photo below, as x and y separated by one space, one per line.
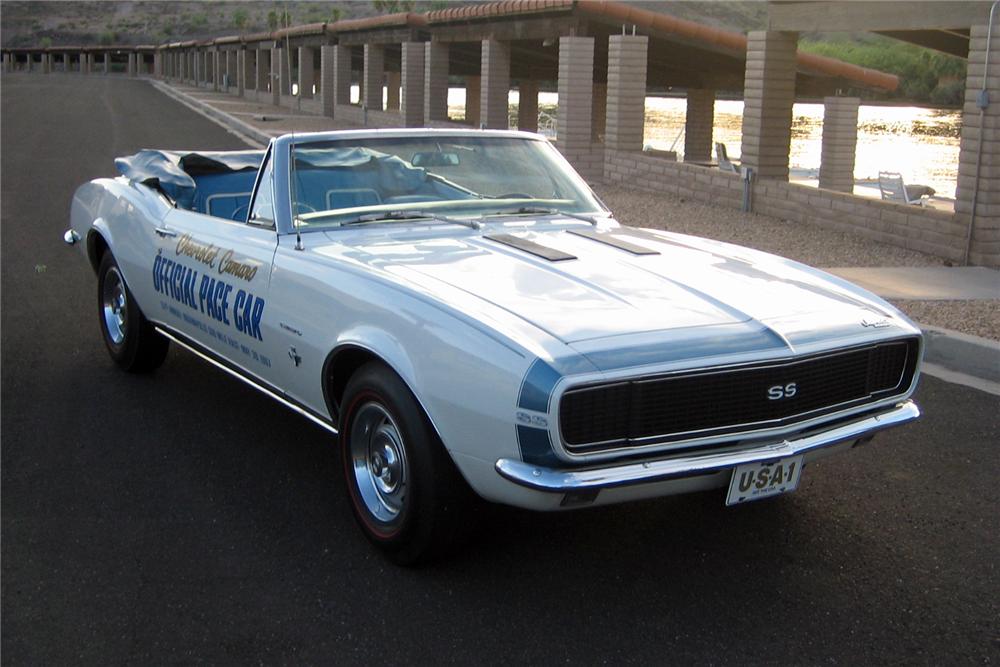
220 184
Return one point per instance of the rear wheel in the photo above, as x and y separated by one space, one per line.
131 340
406 493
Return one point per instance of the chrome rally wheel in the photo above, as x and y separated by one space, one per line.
405 492
115 306
131 340
378 462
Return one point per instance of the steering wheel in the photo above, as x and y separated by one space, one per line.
300 205
514 195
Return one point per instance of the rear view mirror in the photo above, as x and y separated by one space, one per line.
435 159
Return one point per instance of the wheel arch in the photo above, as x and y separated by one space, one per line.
97 245
340 364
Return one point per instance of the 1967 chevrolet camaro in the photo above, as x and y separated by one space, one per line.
466 315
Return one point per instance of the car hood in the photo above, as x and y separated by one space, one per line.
604 291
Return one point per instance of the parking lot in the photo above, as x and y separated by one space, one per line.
182 516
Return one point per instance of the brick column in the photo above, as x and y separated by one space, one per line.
277 55
248 71
985 239
341 75
495 70
243 73
411 107
327 100
285 73
307 75
371 89
840 139
435 81
207 69
107 63
67 65
85 63
393 80
527 105
131 64
231 70
473 86
768 93
217 66
263 64
626 114
698 123
576 90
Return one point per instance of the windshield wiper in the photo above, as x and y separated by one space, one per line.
408 215
541 210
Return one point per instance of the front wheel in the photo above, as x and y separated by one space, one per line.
131 340
405 491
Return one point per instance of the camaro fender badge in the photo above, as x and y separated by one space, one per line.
876 324
529 419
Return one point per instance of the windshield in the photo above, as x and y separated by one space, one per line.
391 179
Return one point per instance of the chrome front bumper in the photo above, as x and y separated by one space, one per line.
554 480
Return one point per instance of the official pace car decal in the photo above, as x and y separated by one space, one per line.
208 292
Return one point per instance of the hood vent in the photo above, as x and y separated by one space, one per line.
531 247
615 241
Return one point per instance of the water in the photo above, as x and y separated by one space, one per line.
921 144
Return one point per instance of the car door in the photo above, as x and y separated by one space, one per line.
212 278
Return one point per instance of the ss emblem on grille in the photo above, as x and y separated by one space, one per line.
778 392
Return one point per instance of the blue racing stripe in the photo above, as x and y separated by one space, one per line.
536 447
537 386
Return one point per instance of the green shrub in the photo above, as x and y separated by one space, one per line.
918 69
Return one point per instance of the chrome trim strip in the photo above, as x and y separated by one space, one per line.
743 428
554 480
246 380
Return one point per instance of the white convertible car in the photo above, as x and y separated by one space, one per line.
461 309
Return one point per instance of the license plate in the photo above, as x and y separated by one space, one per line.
753 481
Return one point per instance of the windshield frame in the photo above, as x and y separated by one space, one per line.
282 147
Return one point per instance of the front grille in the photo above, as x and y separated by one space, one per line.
723 400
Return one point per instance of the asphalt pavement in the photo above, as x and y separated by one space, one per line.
182 517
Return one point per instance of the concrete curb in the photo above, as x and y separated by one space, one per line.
962 353
229 122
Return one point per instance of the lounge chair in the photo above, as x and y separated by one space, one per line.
893 188
723 159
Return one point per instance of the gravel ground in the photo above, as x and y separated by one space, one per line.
977 318
804 242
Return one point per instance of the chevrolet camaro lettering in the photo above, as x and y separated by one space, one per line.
469 322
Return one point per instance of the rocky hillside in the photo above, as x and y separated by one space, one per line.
29 23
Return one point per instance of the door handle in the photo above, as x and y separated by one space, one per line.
164 232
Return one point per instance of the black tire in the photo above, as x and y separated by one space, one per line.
131 340
380 416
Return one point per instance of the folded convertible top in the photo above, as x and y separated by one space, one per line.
173 172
